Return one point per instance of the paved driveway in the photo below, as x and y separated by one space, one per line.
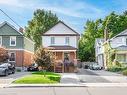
8 79
93 76
88 76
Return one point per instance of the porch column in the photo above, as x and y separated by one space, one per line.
55 62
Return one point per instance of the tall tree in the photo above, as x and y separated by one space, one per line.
86 43
114 23
41 22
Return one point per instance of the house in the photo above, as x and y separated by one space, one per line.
20 48
119 44
99 51
62 41
116 49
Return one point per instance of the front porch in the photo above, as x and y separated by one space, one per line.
64 61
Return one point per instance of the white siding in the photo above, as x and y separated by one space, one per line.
118 41
60 28
59 40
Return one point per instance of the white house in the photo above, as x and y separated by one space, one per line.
99 50
118 43
62 40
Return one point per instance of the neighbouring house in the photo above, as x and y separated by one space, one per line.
114 49
20 48
119 44
99 51
63 42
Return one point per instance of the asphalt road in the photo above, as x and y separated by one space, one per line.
64 91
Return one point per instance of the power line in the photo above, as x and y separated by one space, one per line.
10 18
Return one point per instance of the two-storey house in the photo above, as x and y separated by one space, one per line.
20 48
62 40
119 43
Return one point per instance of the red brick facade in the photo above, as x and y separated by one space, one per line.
22 58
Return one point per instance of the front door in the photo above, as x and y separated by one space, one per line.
66 61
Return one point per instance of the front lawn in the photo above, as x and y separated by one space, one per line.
38 78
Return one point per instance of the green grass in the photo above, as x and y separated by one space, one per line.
38 78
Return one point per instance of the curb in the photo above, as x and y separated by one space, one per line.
68 85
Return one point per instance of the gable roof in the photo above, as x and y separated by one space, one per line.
123 33
5 22
76 33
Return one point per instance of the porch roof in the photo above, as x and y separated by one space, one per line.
121 48
61 48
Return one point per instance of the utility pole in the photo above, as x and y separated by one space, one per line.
106 37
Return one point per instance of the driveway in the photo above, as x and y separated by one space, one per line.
88 76
93 76
8 79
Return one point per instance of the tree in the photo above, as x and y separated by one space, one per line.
86 43
3 54
41 22
44 58
114 23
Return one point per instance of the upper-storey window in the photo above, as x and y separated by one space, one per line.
67 40
52 40
0 40
12 40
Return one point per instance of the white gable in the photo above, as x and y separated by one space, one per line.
60 28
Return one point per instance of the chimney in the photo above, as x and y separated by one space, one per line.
21 29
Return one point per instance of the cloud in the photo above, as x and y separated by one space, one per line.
73 8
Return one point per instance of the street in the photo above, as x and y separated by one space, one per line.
64 91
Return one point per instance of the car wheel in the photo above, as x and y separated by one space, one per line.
6 73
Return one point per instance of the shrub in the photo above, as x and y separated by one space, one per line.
124 72
54 78
115 68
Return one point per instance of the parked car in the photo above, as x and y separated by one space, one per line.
33 67
6 69
95 67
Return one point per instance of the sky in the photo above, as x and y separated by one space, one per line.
74 13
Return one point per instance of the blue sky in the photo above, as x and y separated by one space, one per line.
72 12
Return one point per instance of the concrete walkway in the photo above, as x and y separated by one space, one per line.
69 78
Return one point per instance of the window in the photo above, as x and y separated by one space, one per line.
52 40
0 40
121 57
12 41
12 56
67 40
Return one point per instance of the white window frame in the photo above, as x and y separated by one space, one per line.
15 40
51 40
1 41
9 56
67 40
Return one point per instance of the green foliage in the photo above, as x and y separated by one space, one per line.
86 43
124 72
41 22
114 24
115 68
